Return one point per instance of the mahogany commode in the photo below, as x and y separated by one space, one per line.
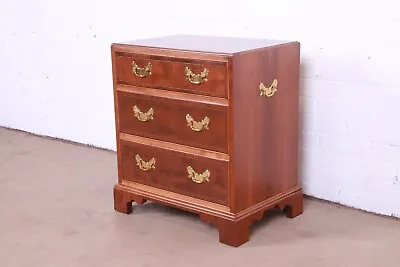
209 125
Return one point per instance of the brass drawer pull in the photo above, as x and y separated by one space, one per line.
143 116
197 126
198 178
145 166
141 72
268 91
196 78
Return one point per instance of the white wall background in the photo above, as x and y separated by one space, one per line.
55 77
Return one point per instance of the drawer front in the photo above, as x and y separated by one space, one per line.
183 173
188 123
198 77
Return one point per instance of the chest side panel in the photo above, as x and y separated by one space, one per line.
265 124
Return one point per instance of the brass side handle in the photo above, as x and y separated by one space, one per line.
143 116
197 126
141 72
196 78
145 166
268 91
198 178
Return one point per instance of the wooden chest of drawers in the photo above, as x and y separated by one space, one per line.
208 125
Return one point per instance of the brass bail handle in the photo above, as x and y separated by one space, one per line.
145 166
143 116
197 126
198 178
141 72
196 78
270 90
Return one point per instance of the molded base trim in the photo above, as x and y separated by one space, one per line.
233 228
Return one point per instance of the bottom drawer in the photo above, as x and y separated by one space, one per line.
179 172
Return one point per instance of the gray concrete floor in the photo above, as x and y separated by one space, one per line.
56 209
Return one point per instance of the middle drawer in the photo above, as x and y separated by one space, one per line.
194 124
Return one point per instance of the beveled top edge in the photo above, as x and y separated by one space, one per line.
207 44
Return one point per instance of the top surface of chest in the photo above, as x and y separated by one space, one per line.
208 44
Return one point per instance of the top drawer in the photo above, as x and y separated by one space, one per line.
185 75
